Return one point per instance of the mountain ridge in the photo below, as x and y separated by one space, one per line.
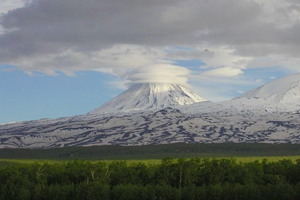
268 114
282 90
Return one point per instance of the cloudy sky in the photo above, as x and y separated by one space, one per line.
67 57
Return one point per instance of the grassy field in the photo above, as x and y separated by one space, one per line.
14 162
152 154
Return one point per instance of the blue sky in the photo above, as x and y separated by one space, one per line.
25 97
63 58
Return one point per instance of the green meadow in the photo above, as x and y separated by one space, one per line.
14 162
152 154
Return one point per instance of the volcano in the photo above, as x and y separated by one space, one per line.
149 96
281 95
285 90
169 113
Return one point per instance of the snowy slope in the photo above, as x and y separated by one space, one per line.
285 90
282 95
279 96
164 114
149 96
165 126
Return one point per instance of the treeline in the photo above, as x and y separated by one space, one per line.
207 179
178 150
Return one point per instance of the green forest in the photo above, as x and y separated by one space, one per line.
171 179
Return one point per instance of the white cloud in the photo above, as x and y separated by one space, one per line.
130 39
225 57
223 72
7 5
117 60
121 84
221 88
282 13
259 80
191 54
160 73
31 74
290 63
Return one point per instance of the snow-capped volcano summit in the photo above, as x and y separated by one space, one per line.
149 96
283 90
268 114
281 95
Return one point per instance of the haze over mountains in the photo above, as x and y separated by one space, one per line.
168 113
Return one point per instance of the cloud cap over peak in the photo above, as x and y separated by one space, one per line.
127 38
160 73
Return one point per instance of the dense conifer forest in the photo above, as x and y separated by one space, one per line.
186 179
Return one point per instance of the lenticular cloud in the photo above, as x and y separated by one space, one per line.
160 73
